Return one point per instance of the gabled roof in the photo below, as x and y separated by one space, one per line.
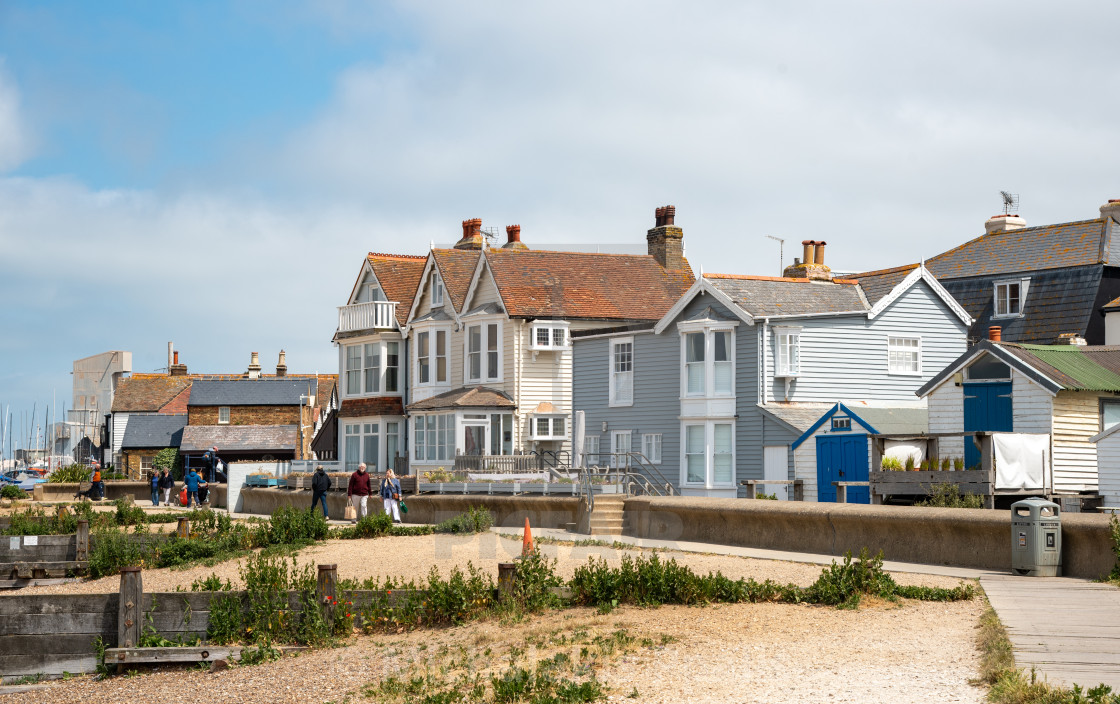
768 296
877 284
593 286
398 275
1027 249
147 393
467 397
283 391
239 438
456 268
1053 367
153 431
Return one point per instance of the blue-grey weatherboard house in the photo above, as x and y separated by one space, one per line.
732 383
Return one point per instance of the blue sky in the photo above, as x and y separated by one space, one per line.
211 173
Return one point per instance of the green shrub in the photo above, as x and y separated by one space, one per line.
1114 531
128 513
948 495
293 526
476 520
11 491
69 474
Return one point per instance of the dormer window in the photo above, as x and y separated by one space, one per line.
437 290
552 335
1010 298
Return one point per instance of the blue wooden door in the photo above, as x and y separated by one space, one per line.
842 458
986 407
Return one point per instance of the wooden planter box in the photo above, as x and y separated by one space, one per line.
970 481
299 481
261 481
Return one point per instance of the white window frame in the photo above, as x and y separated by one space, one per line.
708 329
223 411
709 426
894 344
1004 296
146 462
437 290
651 447
591 450
371 375
484 352
433 437
782 340
360 375
423 357
616 378
615 435
552 418
555 328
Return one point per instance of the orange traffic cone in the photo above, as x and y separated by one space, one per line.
527 547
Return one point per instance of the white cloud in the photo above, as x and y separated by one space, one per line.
16 143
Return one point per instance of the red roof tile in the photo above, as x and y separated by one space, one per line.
399 275
456 268
379 406
536 283
147 392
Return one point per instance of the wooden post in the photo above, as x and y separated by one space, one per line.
878 446
798 489
81 541
988 464
326 587
129 619
184 528
506 572
841 493
750 489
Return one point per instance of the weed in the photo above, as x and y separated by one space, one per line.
476 520
11 491
946 495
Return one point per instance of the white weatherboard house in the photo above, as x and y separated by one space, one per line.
743 367
1108 464
1069 392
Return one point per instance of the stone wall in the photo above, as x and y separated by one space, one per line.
245 415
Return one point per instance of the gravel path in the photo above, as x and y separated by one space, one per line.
413 557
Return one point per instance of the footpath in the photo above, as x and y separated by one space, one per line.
1067 629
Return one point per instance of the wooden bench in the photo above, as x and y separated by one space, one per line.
842 490
753 484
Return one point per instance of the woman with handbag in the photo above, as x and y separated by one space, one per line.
391 495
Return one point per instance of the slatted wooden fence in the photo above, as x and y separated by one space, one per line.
28 558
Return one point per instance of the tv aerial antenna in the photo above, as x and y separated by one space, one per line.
1010 202
781 252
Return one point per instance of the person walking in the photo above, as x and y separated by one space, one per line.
320 484
358 491
166 484
155 487
96 488
192 479
391 495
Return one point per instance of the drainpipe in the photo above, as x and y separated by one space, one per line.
762 363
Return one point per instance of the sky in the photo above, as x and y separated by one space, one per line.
212 173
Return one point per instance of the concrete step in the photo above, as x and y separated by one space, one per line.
607 511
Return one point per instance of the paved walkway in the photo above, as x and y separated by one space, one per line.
1067 629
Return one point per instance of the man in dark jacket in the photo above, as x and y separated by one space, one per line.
166 484
320 483
358 491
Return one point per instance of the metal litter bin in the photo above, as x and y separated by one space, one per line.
1036 538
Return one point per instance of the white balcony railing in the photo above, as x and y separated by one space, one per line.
367 316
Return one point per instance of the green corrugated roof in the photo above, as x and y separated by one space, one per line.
1085 374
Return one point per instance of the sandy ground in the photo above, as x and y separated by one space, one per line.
913 652
413 557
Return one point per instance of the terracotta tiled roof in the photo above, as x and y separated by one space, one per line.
535 283
877 284
456 267
379 406
147 392
399 275
771 296
179 403
468 397
1027 249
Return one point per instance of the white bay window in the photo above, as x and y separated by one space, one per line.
483 353
372 367
709 453
709 361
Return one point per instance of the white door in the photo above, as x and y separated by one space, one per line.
775 465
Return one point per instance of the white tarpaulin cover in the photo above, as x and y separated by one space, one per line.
577 438
1022 460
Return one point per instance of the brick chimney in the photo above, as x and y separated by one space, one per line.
1003 223
282 365
472 235
665 242
254 366
513 238
813 266
177 369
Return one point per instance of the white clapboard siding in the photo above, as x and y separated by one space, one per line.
1108 469
845 357
1031 405
1076 419
946 415
120 422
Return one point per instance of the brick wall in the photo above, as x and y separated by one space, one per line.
665 244
130 463
245 415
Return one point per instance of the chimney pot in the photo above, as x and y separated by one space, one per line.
513 238
995 333
176 355
282 365
472 235
808 255
254 366
819 254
